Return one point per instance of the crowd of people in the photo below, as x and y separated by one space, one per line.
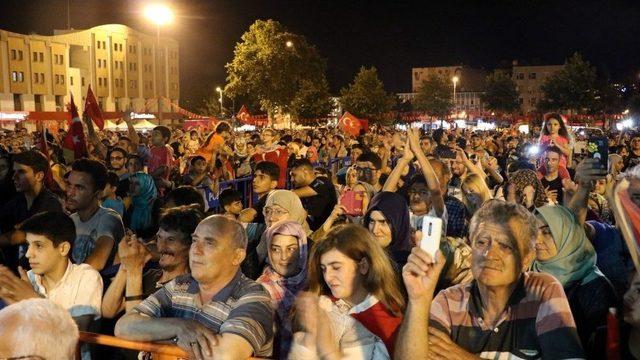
321 255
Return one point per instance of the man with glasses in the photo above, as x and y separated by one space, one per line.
117 160
506 311
368 166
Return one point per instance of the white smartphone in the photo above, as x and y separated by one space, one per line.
431 233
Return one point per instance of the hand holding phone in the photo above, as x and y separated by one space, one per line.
598 149
431 234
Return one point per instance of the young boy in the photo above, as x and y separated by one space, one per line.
160 157
231 202
77 288
265 179
109 198
198 173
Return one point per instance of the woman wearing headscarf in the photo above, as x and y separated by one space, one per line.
564 251
284 276
143 200
281 205
388 219
524 188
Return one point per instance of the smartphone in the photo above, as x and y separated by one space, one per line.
431 233
352 201
598 148
447 153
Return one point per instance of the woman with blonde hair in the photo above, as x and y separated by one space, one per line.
358 291
474 192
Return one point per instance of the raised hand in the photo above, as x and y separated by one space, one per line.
421 273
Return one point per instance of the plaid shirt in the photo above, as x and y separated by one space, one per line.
537 322
242 307
457 221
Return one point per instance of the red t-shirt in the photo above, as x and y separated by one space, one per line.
160 156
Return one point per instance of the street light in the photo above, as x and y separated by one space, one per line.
455 82
160 15
219 89
289 43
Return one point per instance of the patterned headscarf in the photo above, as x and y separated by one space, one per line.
143 202
290 202
525 177
283 290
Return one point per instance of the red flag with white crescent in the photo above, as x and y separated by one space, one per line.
350 124
92 109
74 145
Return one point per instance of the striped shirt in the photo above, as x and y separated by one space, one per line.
242 307
537 322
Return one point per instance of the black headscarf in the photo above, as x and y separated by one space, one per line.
395 209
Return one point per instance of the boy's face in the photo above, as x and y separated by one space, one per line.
262 182
108 191
156 138
199 166
234 208
43 256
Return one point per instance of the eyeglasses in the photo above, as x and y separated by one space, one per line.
268 211
116 157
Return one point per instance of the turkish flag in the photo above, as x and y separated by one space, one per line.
350 124
92 109
74 145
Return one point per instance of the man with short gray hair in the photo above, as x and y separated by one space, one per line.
214 312
37 329
506 311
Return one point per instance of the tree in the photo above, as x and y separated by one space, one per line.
500 93
210 106
573 88
365 97
434 96
270 64
312 100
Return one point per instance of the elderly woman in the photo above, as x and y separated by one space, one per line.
284 276
506 312
564 251
388 220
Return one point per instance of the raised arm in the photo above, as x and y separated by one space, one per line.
586 175
437 198
392 181
133 135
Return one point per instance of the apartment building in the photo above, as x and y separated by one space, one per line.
125 68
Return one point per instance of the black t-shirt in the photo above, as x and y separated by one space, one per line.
631 161
319 207
555 184
259 207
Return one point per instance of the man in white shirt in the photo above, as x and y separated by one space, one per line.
77 288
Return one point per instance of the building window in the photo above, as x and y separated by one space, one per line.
35 56
38 100
99 63
62 79
41 57
532 76
99 81
116 63
20 55
35 78
17 102
82 81
61 59
42 78
98 44
21 76
115 47
14 55
520 76
57 79
104 44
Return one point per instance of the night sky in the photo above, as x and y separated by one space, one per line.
394 36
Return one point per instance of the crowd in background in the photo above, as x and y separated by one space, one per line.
306 243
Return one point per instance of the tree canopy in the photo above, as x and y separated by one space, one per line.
271 65
573 88
366 97
500 93
434 96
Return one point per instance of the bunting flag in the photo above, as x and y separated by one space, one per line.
92 109
245 117
350 124
74 145
243 114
